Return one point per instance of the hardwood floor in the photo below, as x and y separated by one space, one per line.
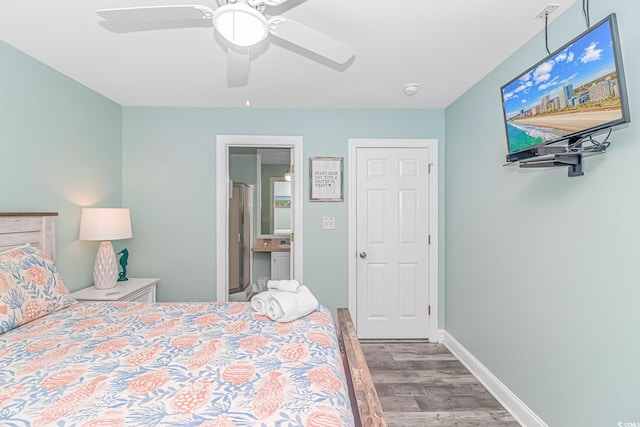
423 384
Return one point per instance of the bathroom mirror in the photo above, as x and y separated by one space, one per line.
275 192
280 206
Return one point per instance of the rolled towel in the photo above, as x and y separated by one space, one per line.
273 284
288 306
259 302
284 285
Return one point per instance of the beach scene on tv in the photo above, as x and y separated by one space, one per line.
574 90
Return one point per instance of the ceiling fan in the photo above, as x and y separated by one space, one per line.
241 23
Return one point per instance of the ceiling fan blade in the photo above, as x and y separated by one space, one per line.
274 2
238 62
310 39
156 14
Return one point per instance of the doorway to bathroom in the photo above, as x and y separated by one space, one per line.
258 212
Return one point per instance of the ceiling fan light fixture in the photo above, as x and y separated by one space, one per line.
240 24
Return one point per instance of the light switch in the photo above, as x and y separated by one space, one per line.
329 222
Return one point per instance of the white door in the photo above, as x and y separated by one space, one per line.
392 241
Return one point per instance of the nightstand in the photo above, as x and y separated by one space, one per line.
134 289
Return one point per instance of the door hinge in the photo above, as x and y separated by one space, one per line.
429 310
429 239
292 169
429 167
292 236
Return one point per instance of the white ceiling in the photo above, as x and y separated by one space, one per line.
445 46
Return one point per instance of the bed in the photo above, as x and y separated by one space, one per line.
176 364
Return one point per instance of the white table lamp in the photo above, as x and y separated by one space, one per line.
104 225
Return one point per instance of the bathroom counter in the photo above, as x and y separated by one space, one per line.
272 245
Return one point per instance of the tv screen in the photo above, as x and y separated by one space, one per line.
576 91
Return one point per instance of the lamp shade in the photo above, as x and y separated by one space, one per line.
105 224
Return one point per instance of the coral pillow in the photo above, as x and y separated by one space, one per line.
30 287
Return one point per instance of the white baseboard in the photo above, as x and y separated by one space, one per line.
506 397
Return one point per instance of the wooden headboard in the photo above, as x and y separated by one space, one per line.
35 228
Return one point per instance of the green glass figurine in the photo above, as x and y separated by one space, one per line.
122 277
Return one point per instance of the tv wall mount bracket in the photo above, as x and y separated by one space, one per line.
573 161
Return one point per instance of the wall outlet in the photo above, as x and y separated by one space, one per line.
329 222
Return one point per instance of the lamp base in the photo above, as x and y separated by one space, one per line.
105 269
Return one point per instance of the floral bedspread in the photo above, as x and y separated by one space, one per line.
172 364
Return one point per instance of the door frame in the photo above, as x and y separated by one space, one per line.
223 143
432 145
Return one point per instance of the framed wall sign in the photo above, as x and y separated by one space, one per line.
325 175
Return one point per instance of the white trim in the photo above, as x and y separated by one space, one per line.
432 145
223 142
252 236
506 397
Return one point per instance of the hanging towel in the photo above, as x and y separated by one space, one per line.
284 285
259 302
288 306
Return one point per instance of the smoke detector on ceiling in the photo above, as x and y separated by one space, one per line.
411 89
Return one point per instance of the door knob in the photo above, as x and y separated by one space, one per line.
363 254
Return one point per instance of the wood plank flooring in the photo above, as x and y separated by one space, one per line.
423 384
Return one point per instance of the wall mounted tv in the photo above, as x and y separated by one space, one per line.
573 93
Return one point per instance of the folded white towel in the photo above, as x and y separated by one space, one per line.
259 302
288 306
284 285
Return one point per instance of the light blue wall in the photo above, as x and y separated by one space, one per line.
70 147
542 278
60 150
169 183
